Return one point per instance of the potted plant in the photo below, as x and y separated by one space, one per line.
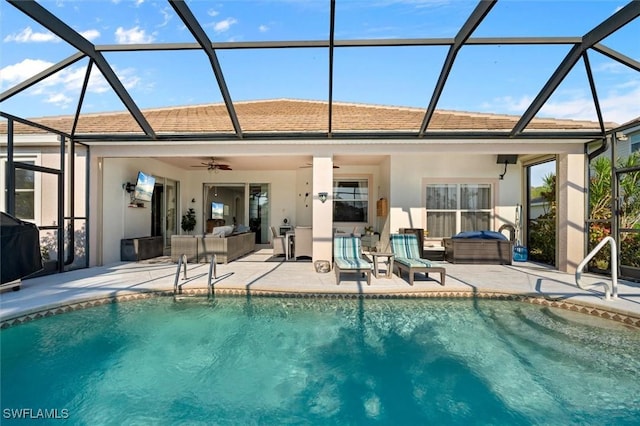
189 220
368 230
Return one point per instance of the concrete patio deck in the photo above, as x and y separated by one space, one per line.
255 275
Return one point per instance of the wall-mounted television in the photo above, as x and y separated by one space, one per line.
144 187
217 210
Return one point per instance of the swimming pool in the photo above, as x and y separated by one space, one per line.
320 361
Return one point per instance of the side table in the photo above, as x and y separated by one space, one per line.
389 261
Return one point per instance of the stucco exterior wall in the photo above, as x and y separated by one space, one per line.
409 174
571 218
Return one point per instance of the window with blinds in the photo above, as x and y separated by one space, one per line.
458 207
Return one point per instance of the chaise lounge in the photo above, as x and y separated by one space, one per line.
347 257
407 257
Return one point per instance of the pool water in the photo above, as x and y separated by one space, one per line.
307 361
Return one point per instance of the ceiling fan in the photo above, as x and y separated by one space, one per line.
214 165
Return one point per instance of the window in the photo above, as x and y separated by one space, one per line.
351 200
635 142
453 208
25 191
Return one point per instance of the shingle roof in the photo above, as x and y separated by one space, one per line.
288 115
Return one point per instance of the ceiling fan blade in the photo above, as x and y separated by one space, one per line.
223 167
309 165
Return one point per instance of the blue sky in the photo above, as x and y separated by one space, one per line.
498 79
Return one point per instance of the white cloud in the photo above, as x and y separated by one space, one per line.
14 74
63 88
224 25
263 28
212 12
576 109
128 78
611 67
622 106
134 35
90 34
28 36
618 105
166 16
508 104
59 99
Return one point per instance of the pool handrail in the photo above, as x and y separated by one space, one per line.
212 272
182 261
609 287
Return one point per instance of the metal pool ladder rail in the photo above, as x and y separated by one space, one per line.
182 263
609 287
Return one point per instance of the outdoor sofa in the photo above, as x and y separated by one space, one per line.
200 248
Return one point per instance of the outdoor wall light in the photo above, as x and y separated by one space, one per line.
322 196
506 159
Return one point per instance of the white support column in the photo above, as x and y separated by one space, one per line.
571 211
322 212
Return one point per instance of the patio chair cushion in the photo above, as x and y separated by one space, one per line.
347 257
405 246
347 253
352 263
222 231
413 262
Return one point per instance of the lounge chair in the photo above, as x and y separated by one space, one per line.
407 257
347 257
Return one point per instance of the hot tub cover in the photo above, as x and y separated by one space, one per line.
19 250
481 235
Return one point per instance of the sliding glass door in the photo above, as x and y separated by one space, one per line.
164 209
541 212
259 211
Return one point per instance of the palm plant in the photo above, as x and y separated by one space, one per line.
542 230
628 205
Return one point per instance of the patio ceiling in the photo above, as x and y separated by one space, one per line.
263 163
578 47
